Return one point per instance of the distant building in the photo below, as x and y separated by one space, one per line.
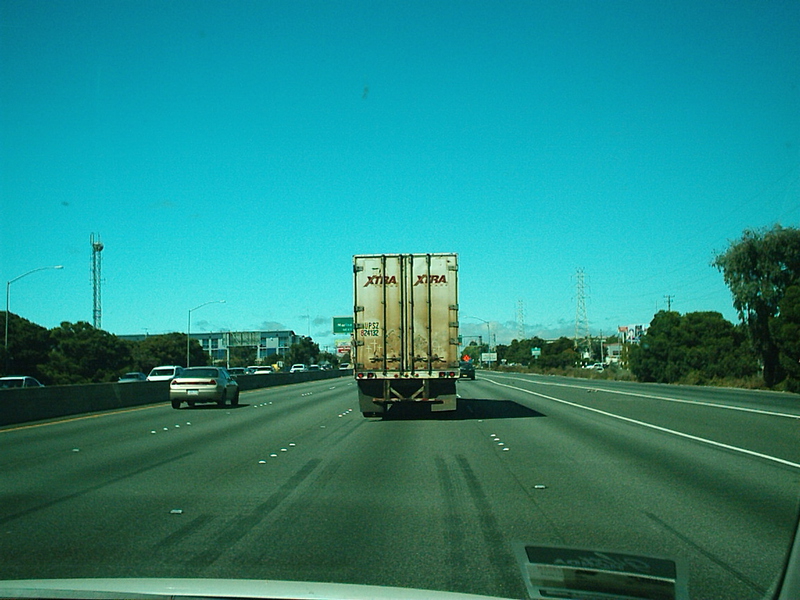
216 344
613 353
266 343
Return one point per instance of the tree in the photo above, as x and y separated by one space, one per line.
559 354
166 349
653 359
81 354
474 351
305 351
695 347
28 348
785 329
758 269
519 351
329 358
242 356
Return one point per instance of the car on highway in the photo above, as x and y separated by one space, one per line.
203 384
19 381
314 368
298 368
599 367
264 370
466 369
345 366
237 371
164 373
133 376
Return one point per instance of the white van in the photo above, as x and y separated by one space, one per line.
165 373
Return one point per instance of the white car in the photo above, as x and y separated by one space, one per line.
19 381
264 369
298 368
203 384
164 373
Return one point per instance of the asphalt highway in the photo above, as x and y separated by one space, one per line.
294 484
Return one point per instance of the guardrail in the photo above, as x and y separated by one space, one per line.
23 405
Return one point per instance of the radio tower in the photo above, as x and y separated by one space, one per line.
520 320
97 262
583 340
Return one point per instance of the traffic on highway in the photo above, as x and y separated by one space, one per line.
464 501
415 300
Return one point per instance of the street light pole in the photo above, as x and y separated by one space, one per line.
189 324
8 298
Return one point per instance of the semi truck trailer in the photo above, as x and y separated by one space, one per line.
405 330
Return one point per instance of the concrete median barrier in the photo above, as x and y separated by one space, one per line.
25 405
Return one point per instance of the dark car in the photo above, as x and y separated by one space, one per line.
133 376
466 370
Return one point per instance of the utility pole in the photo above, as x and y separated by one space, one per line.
602 352
97 263
8 306
583 339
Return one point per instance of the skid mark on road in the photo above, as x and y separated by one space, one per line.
241 526
182 533
90 489
709 555
454 525
500 557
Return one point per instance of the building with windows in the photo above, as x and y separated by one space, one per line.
217 344
266 343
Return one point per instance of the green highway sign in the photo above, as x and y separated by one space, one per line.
342 325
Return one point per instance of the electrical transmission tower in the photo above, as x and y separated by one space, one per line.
583 340
97 262
520 320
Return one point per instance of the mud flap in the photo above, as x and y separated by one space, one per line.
366 402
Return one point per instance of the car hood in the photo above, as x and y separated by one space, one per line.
214 588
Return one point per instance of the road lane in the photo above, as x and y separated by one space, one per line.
729 513
295 484
765 425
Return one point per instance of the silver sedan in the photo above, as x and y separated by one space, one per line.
203 384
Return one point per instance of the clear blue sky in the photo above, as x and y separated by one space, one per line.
246 150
